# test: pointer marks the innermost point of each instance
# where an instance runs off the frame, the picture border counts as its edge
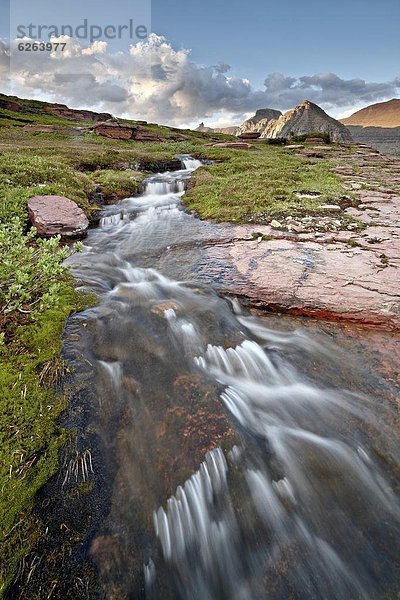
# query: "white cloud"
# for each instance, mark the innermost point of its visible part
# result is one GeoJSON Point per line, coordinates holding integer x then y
{"type": "Point", "coordinates": [153, 81]}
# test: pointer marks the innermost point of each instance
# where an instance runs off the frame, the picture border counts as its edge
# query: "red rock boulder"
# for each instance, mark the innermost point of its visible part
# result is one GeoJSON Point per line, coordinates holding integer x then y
{"type": "Point", "coordinates": [57, 215]}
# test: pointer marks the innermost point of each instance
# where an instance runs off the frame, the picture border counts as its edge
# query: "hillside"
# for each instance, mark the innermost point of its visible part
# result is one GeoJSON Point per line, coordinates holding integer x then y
{"type": "Point", "coordinates": [382, 114]}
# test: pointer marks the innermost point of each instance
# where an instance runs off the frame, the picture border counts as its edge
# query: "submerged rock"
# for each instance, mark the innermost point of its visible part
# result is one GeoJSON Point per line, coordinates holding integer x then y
{"type": "Point", "coordinates": [57, 215]}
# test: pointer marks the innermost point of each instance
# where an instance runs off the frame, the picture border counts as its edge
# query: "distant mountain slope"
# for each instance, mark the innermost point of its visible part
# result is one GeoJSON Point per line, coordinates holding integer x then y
{"type": "Point", "coordinates": [228, 130]}
{"type": "Point", "coordinates": [306, 118]}
{"type": "Point", "coordinates": [382, 114]}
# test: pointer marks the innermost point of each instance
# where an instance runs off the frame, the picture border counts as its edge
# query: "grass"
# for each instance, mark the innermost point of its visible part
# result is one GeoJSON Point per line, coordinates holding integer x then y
{"type": "Point", "coordinates": [115, 185]}
{"type": "Point", "coordinates": [261, 184]}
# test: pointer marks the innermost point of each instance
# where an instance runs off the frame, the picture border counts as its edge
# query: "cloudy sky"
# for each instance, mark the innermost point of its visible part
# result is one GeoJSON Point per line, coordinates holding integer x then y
{"type": "Point", "coordinates": [208, 61]}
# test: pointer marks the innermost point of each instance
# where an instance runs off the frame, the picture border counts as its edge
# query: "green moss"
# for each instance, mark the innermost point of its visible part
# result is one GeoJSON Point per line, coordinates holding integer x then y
{"type": "Point", "coordinates": [118, 184]}
{"type": "Point", "coordinates": [261, 183]}
{"type": "Point", "coordinates": [29, 437]}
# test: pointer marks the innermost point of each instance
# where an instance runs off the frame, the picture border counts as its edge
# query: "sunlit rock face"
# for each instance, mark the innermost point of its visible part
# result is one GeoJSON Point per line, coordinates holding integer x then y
{"type": "Point", "coordinates": [305, 118]}
{"type": "Point", "coordinates": [259, 121]}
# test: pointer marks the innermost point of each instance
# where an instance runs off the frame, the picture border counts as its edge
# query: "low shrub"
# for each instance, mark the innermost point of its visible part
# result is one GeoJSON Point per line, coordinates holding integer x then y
{"type": "Point", "coordinates": [326, 137]}
{"type": "Point", "coordinates": [30, 274]}
{"type": "Point", "coordinates": [281, 141]}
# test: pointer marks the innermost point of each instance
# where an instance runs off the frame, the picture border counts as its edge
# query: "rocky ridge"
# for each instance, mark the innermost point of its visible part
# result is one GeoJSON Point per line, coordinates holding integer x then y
{"type": "Point", "coordinates": [259, 120]}
{"type": "Point", "coordinates": [304, 119]}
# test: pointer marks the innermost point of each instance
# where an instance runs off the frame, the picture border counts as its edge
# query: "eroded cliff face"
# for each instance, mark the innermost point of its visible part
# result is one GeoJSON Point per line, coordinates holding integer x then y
{"type": "Point", "coordinates": [306, 118]}
{"type": "Point", "coordinates": [259, 120]}
{"type": "Point", "coordinates": [303, 119]}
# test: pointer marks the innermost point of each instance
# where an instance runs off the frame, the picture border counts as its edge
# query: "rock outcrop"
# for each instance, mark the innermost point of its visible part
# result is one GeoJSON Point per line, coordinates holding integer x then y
{"type": "Point", "coordinates": [57, 215]}
{"type": "Point", "coordinates": [382, 114]}
{"type": "Point", "coordinates": [115, 131]}
{"type": "Point", "coordinates": [10, 105]}
{"type": "Point", "coordinates": [203, 129]}
{"type": "Point", "coordinates": [121, 131]}
{"type": "Point", "coordinates": [256, 123]}
{"type": "Point", "coordinates": [61, 110]}
{"type": "Point", "coordinates": [306, 118]}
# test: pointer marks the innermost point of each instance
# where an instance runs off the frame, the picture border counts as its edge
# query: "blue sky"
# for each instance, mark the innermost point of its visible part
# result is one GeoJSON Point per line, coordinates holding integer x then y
{"type": "Point", "coordinates": [340, 54]}
{"type": "Point", "coordinates": [353, 38]}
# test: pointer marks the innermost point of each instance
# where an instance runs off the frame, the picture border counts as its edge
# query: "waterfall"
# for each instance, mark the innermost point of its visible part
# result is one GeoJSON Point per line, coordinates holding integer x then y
{"type": "Point", "coordinates": [191, 164]}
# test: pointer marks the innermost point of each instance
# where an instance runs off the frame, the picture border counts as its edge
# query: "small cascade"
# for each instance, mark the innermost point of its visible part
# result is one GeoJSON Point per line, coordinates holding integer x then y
{"type": "Point", "coordinates": [112, 220]}
{"type": "Point", "coordinates": [191, 164]}
{"type": "Point", "coordinates": [199, 522]}
{"type": "Point", "coordinates": [285, 470]}
{"type": "Point", "coordinates": [156, 186]}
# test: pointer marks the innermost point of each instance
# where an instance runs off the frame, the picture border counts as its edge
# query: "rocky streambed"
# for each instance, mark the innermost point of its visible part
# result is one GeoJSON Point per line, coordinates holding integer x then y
{"type": "Point", "coordinates": [220, 452]}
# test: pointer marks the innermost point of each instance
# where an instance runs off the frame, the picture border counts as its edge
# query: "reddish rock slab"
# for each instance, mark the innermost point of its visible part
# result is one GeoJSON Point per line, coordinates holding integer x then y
{"type": "Point", "coordinates": [318, 279]}
{"type": "Point", "coordinates": [57, 215]}
{"type": "Point", "coordinates": [121, 131]}
{"type": "Point", "coordinates": [72, 114]}
{"type": "Point", "coordinates": [115, 131]}
{"type": "Point", "coordinates": [342, 275]}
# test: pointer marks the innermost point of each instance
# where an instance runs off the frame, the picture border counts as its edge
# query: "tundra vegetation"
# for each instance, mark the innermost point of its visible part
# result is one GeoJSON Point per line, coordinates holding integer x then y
{"type": "Point", "coordinates": [37, 294]}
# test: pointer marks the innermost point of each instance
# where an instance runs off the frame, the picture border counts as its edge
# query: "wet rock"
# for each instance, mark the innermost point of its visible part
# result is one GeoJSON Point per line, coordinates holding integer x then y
{"type": "Point", "coordinates": [57, 215]}
{"type": "Point", "coordinates": [159, 309]}
{"type": "Point", "coordinates": [326, 280]}
{"type": "Point", "coordinates": [159, 166]}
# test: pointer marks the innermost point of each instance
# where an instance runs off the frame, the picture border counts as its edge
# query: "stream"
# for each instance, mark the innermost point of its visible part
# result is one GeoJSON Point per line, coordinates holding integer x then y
{"type": "Point", "coordinates": [222, 454]}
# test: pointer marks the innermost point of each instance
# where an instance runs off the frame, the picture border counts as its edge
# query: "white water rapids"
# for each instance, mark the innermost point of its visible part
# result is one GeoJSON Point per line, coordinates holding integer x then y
{"type": "Point", "coordinates": [304, 504]}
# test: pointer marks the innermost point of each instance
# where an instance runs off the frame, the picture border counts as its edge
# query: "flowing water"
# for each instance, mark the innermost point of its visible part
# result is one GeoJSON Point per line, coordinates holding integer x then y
{"type": "Point", "coordinates": [233, 459]}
